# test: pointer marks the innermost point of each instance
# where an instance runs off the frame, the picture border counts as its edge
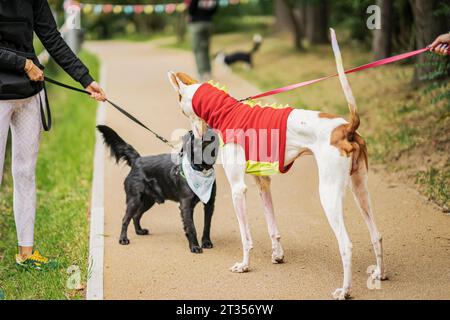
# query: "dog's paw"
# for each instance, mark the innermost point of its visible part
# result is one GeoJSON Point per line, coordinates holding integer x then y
{"type": "Point", "coordinates": [341, 294]}
{"type": "Point", "coordinates": [376, 274]}
{"type": "Point", "coordinates": [277, 259]}
{"type": "Point", "coordinates": [207, 244]}
{"type": "Point", "coordinates": [124, 241]}
{"type": "Point", "coordinates": [239, 267]}
{"type": "Point", "coordinates": [142, 232]}
{"type": "Point", "coordinates": [277, 255]}
{"type": "Point", "coordinates": [196, 249]}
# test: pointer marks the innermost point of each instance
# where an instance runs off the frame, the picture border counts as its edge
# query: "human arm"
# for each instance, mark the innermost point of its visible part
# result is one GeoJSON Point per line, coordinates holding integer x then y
{"type": "Point", "coordinates": [11, 61]}
{"type": "Point", "coordinates": [46, 29]}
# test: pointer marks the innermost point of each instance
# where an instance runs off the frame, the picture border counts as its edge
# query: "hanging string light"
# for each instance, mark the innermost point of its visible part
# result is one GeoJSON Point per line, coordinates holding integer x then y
{"type": "Point", "coordinates": [167, 8]}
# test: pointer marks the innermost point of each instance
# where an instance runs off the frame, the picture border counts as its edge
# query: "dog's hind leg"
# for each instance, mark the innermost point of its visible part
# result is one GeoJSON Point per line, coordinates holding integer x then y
{"type": "Point", "coordinates": [263, 183]}
{"type": "Point", "coordinates": [132, 207]}
{"type": "Point", "coordinates": [362, 198]}
{"type": "Point", "coordinates": [333, 178]}
{"type": "Point", "coordinates": [208, 210]}
{"type": "Point", "coordinates": [233, 159]}
{"type": "Point", "coordinates": [137, 217]}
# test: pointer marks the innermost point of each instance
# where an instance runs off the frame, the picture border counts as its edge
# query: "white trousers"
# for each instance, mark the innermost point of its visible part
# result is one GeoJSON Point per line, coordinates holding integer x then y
{"type": "Point", "coordinates": [24, 119]}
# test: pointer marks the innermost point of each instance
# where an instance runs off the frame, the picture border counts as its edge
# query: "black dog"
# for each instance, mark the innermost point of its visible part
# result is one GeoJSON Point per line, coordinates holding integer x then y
{"type": "Point", "coordinates": [229, 59]}
{"type": "Point", "coordinates": [157, 178]}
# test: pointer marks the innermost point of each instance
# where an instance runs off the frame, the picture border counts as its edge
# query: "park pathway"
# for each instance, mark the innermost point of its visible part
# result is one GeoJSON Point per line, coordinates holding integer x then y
{"type": "Point", "coordinates": [416, 235]}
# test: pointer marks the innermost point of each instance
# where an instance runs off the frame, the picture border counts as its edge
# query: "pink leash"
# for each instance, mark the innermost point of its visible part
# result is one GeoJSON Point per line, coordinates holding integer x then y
{"type": "Point", "coordinates": [360, 68]}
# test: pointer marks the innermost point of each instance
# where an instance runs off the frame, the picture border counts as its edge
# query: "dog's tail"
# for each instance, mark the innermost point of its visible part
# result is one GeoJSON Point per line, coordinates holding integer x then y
{"type": "Point", "coordinates": [358, 146]}
{"type": "Point", "coordinates": [257, 41]}
{"type": "Point", "coordinates": [118, 147]}
{"type": "Point", "coordinates": [354, 117]}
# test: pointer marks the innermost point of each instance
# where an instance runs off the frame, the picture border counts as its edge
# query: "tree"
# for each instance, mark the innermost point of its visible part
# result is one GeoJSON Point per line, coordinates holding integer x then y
{"type": "Point", "coordinates": [382, 38]}
{"type": "Point", "coordinates": [283, 21]}
{"type": "Point", "coordinates": [304, 19]}
{"type": "Point", "coordinates": [427, 26]}
{"type": "Point", "coordinates": [317, 21]}
{"type": "Point", "coordinates": [290, 16]}
{"type": "Point", "coordinates": [297, 15]}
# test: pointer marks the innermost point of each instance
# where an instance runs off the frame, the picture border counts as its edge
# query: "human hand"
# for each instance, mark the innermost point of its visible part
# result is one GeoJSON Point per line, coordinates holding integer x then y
{"type": "Point", "coordinates": [441, 45]}
{"type": "Point", "coordinates": [33, 72]}
{"type": "Point", "coordinates": [96, 91]}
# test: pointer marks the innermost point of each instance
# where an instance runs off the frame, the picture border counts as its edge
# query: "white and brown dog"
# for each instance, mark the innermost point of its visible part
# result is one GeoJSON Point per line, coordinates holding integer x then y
{"type": "Point", "coordinates": [339, 150]}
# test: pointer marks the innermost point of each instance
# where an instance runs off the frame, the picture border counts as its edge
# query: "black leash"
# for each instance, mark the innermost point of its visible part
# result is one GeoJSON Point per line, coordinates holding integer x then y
{"type": "Point", "coordinates": [124, 112]}
{"type": "Point", "coordinates": [46, 116]}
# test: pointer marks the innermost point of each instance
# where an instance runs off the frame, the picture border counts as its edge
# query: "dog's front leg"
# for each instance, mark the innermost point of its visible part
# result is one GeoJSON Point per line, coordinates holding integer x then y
{"type": "Point", "coordinates": [233, 159]}
{"type": "Point", "coordinates": [263, 184]}
{"type": "Point", "coordinates": [187, 214]}
{"type": "Point", "coordinates": [209, 210]}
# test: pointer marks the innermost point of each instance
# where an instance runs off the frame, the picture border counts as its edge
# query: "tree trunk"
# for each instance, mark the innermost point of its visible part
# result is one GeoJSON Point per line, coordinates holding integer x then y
{"type": "Point", "coordinates": [300, 15]}
{"type": "Point", "coordinates": [291, 17]}
{"type": "Point", "coordinates": [317, 21]}
{"type": "Point", "coordinates": [427, 27]}
{"type": "Point", "coordinates": [181, 27]}
{"type": "Point", "coordinates": [381, 44]}
{"type": "Point", "coordinates": [298, 18]}
{"type": "Point", "coordinates": [283, 21]}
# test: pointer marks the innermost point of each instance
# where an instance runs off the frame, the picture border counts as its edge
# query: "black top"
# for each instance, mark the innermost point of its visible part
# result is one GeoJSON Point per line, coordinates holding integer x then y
{"type": "Point", "coordinates": [202, 10]}
{"type": "Point", "coordinates": [18, 20]}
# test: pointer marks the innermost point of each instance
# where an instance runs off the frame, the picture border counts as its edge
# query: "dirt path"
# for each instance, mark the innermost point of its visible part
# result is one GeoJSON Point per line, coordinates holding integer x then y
{"type": "Point", "coordinates": [159, 266]}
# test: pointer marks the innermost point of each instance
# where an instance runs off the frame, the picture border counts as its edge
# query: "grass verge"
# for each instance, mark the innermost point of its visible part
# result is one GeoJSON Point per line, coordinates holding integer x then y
{"type": "Point", "coordinates": [64, 173]}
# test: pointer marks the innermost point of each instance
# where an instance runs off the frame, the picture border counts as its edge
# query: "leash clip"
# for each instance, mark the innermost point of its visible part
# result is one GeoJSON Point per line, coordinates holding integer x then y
{"type": "Point", "coordinates": [245, 99]}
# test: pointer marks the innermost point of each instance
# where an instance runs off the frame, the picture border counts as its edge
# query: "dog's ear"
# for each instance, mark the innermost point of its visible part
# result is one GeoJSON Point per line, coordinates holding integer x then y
{"type": "Point", "coordinates": [155, 190]}
{"type": "Point", "coordinates": [180, 80]}
{"type": "Point", "coordinates": [185, 79]}
{"type": "Point", "coordinates": [174, 81]}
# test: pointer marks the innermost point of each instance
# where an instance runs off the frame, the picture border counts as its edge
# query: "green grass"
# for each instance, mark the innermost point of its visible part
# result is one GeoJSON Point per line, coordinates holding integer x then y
{"type": "Point", "coordinates": [436, 184]}
{"type": "Point", "coordinates": [249, 23]}
{"type": "Point", "coordinates": [64, 173]}
{"type": "Point", "coordinates": [173, 43]}
{"type": "Point", "coordinates": [140, 37]}
{"type": "Point", "coordinates": [407, 128]}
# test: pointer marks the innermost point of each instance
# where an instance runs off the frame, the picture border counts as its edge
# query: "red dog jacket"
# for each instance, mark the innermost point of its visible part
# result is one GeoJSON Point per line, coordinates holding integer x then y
{"type": "Point", "coordinates": [260, 130]}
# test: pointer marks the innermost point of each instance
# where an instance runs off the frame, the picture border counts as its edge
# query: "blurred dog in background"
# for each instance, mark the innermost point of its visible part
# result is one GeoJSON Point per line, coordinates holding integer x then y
{"type": "Point", "coordinates": [228, 59]}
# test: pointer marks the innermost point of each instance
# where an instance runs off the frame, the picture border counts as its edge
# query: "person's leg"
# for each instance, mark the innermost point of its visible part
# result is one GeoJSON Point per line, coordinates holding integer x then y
{"type": "Point", "coordinates": [5, 119]}
{"type": "Point", "coordinates": [194, 30]}
{"type": "Point", "coordinates": [26, 132]}
{"type": "Point", "coordinates": [205, 55]}
{"type": "Point", "coordinates": [200, 34]}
